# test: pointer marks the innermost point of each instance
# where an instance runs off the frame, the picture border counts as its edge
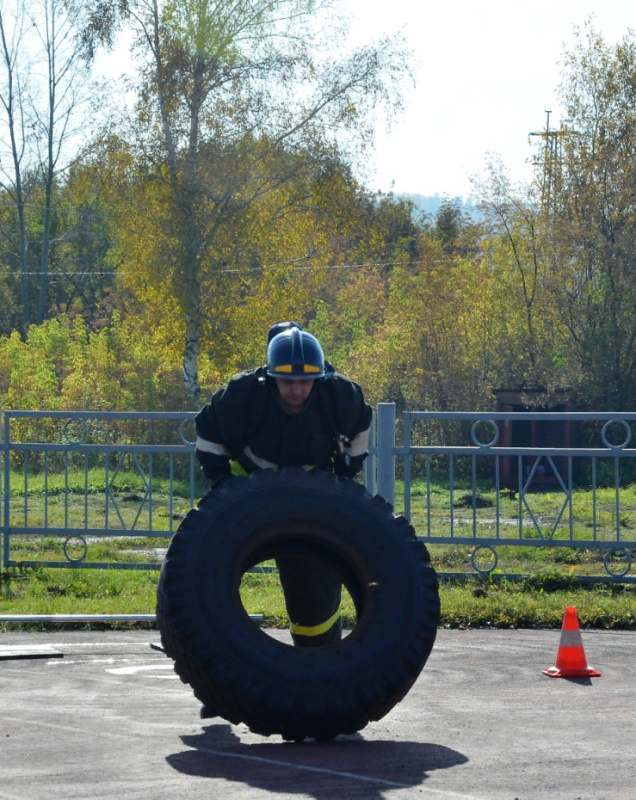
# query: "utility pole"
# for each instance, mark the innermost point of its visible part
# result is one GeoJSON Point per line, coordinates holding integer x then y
{"type": "Point", "coordinates": [551, 161]}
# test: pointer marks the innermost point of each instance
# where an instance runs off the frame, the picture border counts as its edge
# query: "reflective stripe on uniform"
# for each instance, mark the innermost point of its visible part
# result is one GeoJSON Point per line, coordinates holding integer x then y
{"type": "Point", "coordinates": [315, 630]}
{"type": "Point", "coordinates": [359, 444]}
{"type": "Point", "coordinates": [262, 463]}
{"type": "Point", "coordinates": [289, 368]}
{"type": "Point", "coordinates": [206, 446]}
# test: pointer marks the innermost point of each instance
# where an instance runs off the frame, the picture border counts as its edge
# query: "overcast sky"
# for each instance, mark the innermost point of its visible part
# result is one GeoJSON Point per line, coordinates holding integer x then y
{"type": "Point", "coordinates": [486, 73]}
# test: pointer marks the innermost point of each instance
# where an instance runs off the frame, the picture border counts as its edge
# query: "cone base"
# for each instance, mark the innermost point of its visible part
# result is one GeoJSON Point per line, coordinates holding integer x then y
{"type": "Point", "coordinates": [586, 672]}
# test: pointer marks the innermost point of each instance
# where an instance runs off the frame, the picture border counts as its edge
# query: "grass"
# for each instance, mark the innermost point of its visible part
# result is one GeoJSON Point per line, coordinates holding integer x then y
{"type": "Point", "coordinates": [39, 590]}
{"type": "Point", "coordinates": [550, 524]}
{"type": "Point", "coordinates": [537, 601]}
{"type": "Point", "coordinates": [82, 500]}
{"type": "Point", "coordinates": [552, 572]}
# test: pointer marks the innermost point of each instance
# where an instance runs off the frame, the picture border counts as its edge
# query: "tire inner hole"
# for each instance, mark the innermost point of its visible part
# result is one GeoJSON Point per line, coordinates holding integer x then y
{"type": "Point", "coordinates": [302, 583]}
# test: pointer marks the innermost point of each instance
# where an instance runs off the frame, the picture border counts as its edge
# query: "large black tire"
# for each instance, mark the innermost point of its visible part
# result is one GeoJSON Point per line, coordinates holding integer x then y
{"type": "Point", "coordinates": [247, 676]}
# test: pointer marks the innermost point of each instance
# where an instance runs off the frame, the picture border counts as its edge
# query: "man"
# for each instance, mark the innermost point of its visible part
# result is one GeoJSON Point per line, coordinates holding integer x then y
{"type": "Point", "coordinates": [295, 411]}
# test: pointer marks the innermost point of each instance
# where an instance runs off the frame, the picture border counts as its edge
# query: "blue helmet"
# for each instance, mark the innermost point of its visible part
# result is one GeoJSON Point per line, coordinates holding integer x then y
{"type": "Point", "coordinates": [280, 327]}
{"type": "Point", "coordinates": [295, 354]}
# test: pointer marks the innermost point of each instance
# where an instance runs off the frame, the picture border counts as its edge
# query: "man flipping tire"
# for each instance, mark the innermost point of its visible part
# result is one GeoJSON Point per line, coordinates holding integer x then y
{"type": "Point", "coordinates": [297, 411]}
{"type": "Point", "coordinates": [299, 432]}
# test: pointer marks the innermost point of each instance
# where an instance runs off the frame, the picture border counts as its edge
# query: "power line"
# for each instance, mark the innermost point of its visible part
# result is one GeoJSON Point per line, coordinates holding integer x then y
{"type": "Point", "coordinates": [327, 266]}
{"type": "Point", "coordinates": [62, 274]}
{"type": "Point", "coordinates": [237, 271]}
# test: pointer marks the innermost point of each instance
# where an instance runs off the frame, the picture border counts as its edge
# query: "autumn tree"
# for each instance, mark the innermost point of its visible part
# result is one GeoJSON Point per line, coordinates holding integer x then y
{"type": "Point", "coordinates": [236, 101]}
{"type": "Point", "coordinates": [456, 231]}
{"type": "Point", "coordinates": [593, 224]}
{"type": "Point", "coordinates": [15, 143]}
{"type": "Point", "coordinates": [516, 250]}
{"type": "Point", "coordinates": [377, 233]}
{"type": "Point", "coordinates": [43, 85]}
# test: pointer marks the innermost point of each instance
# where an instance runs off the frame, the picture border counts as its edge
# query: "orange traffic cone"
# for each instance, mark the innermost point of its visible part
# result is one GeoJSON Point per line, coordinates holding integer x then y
{"type": "Point", "coordinates": [571, 661]}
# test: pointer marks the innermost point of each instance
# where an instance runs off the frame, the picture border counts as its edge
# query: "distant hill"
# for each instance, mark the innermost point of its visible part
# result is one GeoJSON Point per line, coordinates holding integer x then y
{"type": "Point", "coordinates": [430, 204]}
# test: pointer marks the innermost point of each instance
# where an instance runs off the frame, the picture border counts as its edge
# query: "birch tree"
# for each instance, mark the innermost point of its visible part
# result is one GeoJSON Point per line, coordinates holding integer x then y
{"type": "Point", "coordinates": [236, 99]}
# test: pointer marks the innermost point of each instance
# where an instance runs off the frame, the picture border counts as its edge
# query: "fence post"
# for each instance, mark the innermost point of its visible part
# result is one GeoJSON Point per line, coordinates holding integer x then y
{"type": "Point", "coordinates": [386, 451]}
{"type": "Point", "coordinates": [6, 491]}
{"type": "Point", "coordinates": [370, 462]}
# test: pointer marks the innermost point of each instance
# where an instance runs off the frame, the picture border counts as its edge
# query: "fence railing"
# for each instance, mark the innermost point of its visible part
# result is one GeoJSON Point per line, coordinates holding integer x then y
{"type": "Point", "coordinates": [74, 484]}
{"type": "Point", "coordinates": [70, 479]}
{"type": "Point", "coordinates": [576, 490]}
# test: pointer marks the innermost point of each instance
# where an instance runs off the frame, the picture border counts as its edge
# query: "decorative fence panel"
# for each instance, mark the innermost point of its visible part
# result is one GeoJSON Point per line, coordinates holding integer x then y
{"type": "Point", "coordinates": [466, 482]}
{"type": "Point", "coordinates": [72, 481]}
{"type": "Point", "coordinates": [107, 490]}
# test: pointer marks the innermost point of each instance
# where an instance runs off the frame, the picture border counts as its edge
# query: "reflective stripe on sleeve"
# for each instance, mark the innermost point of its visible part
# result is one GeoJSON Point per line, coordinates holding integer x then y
{"type": "Point", "coordinates": [315, 630]}
{"type": "Point", "coordinates": [261, 463]}
{"type": "Point", "coordinates": [211, 447]}
{"type": "Point", "coordinates": [359, 444]}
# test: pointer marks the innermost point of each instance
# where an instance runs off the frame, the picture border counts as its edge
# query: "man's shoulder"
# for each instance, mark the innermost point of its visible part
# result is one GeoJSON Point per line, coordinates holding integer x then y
{"type": "Point", "coordinates": [246, 378]}
{"type": "Point", "coordinates": [351, 412]}
{"type": "Point", "coordinates": [341, 385]}
{"type": "Point", "coordinates": [239, 389]}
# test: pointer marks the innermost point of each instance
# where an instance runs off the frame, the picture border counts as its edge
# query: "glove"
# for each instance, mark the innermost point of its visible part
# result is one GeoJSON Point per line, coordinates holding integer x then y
{"type": "Point", "coordinates": [348, 466]}
{"type": "Point", "coordinates": [213, 466]}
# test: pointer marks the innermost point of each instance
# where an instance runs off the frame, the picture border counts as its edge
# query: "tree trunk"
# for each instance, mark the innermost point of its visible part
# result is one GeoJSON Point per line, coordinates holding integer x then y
{"type": "Point", "coordinates": [24, 244]}
{"type": "Point", "coordinates": [44, 277]}
{"type": "Point", "coordinates": [192, 345]}
{"type": "Point", "coordinates": [48, 168]}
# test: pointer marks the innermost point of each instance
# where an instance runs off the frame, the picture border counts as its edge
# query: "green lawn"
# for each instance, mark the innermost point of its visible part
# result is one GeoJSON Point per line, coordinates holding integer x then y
{"type": "Point", "coordinates": [552, 572]}
{"type": "Point", "coordinates": [537, 601]}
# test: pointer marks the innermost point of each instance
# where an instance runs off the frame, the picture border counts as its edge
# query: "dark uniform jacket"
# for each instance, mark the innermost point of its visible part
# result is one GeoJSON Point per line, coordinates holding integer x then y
{"type": "Point", "coordinates": [245, 421]}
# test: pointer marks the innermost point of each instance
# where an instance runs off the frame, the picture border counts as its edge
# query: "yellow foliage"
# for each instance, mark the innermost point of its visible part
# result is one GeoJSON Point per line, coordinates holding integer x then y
{"type": "Point", "coordinates": [62, 366]}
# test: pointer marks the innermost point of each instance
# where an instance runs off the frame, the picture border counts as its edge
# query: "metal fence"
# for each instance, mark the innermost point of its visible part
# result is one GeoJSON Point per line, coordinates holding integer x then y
{"type": "Point", "coordinates": [497, 492]}
{"type": "Point", "coordinates": [72, 482]}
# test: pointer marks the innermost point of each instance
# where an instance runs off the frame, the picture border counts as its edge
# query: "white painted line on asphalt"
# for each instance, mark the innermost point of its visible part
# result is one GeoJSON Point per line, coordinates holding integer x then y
{"type": "Point", "coordinates": [258, 759]}
{"type": "Point", "coordinates": [13, 651]}
{"type": "Point", "coordinates": [52, 726]}
{"type": "Point", "coordinates": [336, 773]}
{"type": "Point", "coordinates": [85, 661]}
{"type": "Point", "coordinates": [157, 729]}
{"type": "Point", "coordinates": [142, 668]}
{"type": "Point", "coordinates": [277, 763]}
{"type": "Point", "coordinates": [102, 644]}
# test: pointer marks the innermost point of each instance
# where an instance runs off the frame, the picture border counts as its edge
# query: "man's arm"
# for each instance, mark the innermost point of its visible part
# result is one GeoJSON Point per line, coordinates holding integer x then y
{"type": "Point", "coordinates": [354, 415]}
{"type": "Point", "coordinates": [210, 450]}
{"type": "Point", "coordinates": [348, 462]}
{"type": "Point", "coordinates": [220, 425]}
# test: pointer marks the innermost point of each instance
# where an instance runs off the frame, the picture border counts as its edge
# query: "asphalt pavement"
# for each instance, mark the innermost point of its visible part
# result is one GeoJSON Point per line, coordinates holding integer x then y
{"type": "Point", "coordinates": [103, 716]}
